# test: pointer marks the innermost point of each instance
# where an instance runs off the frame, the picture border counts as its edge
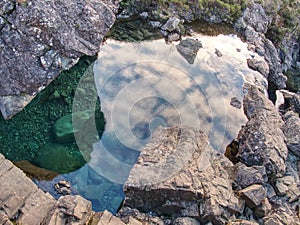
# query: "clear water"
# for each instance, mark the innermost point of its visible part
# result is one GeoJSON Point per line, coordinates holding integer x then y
{"type": "Point", "coordinates": [140, 86]}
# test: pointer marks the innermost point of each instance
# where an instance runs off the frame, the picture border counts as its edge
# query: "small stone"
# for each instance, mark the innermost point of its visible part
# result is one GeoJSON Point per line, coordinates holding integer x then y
{"type": "Point", "coordinates": [186, 221]}
{"type": "Point", "coordinates": [263, 209]}
{"type": "Point", "coordinates": [234, 101]}
{"type": "Point", "coordinates": [218, 53]}
{"type": "Point", "coordinates": [259, 65]}
{"type": "Point", "coordinates": [253, 195]}
{"type": "Point", "coordinates": [144, 15]}
{"type": "Point", "coordinates": [189, 48]}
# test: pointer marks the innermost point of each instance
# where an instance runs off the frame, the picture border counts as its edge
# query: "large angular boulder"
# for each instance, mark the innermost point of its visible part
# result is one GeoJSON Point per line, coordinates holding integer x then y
{"type": "Point", "coordinates": [185, 175]}
{"type": "Point", "coordinates": [39, 39]}
{"type": "Point", "coordinates": [261, 140]}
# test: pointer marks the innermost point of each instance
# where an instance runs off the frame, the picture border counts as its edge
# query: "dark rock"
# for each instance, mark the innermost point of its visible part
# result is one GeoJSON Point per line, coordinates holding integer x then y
{"type": "Point", "coordinates": [189, 48]}
{"type": "Point", "coordinates": [259, 65]}
{"type": "Point", "coordinates": [253, 195]}
{"type": "Point", "coordinates": [246, 176]}
{"type": "Point", "coordinates": [186, 221]}
{"type": "Point", "coordinates": [42, 38]}
{"type": "Point", "coordinates": [261, 140]}
{"type": "Point", "coordinates": [218, 53]}
{"type": "Point", "coordinates": [291, 130]}
{"type": "Point", "coordinates": [234, 101]}
{"type": "Point", "coordinates": [291, 100]}
{"type": "Point", "coordinates": [186, 177]}
{"type": "Point", "coordinates": [263, 209]}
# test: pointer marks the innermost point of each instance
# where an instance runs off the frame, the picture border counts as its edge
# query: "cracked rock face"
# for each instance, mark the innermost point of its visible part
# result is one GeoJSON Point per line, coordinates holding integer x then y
{"type": "Point", "coordinates": [199, 186]}
{"type": "Point", "coordinates": [39, 39]}
{"type": "Point", "coordinates": [261, 140]}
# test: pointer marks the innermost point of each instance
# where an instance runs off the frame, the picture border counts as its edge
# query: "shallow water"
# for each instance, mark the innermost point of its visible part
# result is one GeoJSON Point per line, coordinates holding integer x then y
{"type": "Point", "coordinates": [140, 86]}
{"type": "Point", "coordinates": [145, 85]}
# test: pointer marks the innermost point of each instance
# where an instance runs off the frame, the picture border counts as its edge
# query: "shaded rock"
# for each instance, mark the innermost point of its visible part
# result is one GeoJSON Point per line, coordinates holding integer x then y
{"type": "Point", "coordinates": [261, 140]}
{"type": "Point", "coordinates": [172, 24]}
{"type": "Point", "coordinates": [291, 101]}
{"type": "Point", "coordinates": [253, 195]}
{"type": "Point", "coordinates": [63, 187]}
{"type": "Point", "coordinates": [127, 215]}
{"type": "Point", "coordinates": [287, 185]}
{"type": "Point", "coordinates": [246, 176]}
{"type": "Point", "coordinates": [258, 65]}
{"type": "Point", "coordinates": [70, 210]}
{"type": "Point", "coordinates": [42, 38]}
{"type": "Point", "coordinates": [291, 130]}
{"type": "Point", "coordinates": [282, 215]}
{"type": "Point", "coordinates": [263, 209]}
{"type": "Point", "coordinates": [234, 101]}
{"type": "Point", "coordinates": [36, 172]}
{"type": "Point", "coordinates": [186, 177]}
{"type": "Point", "coordinates": [58, 158]}
{"type": "Point", "coordinates": [189, 48]}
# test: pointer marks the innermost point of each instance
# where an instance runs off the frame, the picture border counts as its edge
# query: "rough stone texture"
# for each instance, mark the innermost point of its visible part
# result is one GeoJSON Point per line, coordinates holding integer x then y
{"type": "Point", "coordinates": [291, 101]}
{"type": "Point", "coordinates": [261, 140]}
{"type": "Point", "coordinates": [20, 198]}
{"type": "Point", "coordinates": [259, 65]}
{"type": "Point", "coordinates": [287, 185]}
{"type": "Point", "coordinates": [186, 177]}
{"type": "Point", "coordinates": [245, 176]}
{"type": "Point", "coordinates": [253, 24]}
{"type": "Point", "coordinates": [253, 195]}
{"type": "Point", "coordinates": [42, 38]}
{"type": "Point", "coordinates": [291, 130]}
{"type": "Point", "coordinates": [106, 218]}
{"type": "Point", "coordinates": [189, 48]}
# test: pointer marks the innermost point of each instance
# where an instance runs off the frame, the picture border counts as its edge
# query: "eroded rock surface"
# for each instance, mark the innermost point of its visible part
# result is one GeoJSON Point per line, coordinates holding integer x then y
{"type": "Point", "coordinates": [39, 39]}
{"type": "Point", "coordinates": [186, 177]}
{"type": "Point", "coordinates": [261, 140]}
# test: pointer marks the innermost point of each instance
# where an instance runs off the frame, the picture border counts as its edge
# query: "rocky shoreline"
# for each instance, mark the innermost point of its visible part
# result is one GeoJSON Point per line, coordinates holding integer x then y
{"type": "Point", "coordinates": [256, 181]}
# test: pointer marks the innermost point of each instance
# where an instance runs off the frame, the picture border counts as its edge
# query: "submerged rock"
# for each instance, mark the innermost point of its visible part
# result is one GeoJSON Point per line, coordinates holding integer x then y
{"type": "Point", "coordinates": [186, 177]}
{"type": "Point", "coordinates": [41, 38]}
{"type": "Point", "coordinates": [59, 158]}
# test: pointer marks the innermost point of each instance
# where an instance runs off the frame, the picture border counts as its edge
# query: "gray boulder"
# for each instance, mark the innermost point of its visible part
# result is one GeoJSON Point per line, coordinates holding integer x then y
{"type": "Point", "coordinates": [291, 130]}
{"type": "Point", "coordinates": [261, 140]}
{"type": "Point", "coordinates": [189, 48]}
{"type": "Point", "coordinates": [40, 38]}
{"type": "Point", "coordinates": [187, 178]}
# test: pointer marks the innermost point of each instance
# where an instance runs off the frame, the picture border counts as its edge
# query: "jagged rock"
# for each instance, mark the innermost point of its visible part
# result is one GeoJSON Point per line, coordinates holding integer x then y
{"type": "Point", "coordinates": [186, 221]}
{"type": "Point", "coordinates": [261, 140]}
{"type": "Point", "coordinates": [253, 195]}
{"type": "Point", "coordinates": [186, 177]}
{"type": "Point", "coordinates": [234, 101]}
{"type": "Point", "coordinates": [263, 209]}
{"type": "Point", "coordinates": [20, 198]}
{"type": "Point", "coordinates": [287, 185]}
{"type": "Point", "coordinates": [172, 24]}
{"type": "Point", "coordinates": [245, 176]}
{"type": "Point", "coordinates": [291, 100]}
{"type": "Point", "coordinates": [70, 210]}
{"type": "Point", "coordinates": [291, 130]}
{"type": "Point", "coordinates": [258, 65]}
{"type": "Point", "coordinates": [189, 48]}
{"type": "Point", "coordinates": [106, 218]}
{"type": "Point", "coordinates": [42, 38]}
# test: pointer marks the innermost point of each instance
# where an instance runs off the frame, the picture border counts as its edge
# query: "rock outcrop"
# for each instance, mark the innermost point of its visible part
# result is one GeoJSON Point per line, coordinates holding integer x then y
{"type": "Point", "coordinates": [186, 177]}
{"type": "Point", "coordinates": [39, 39]}
{"type": "Point", "coordinates": [261, 140]}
